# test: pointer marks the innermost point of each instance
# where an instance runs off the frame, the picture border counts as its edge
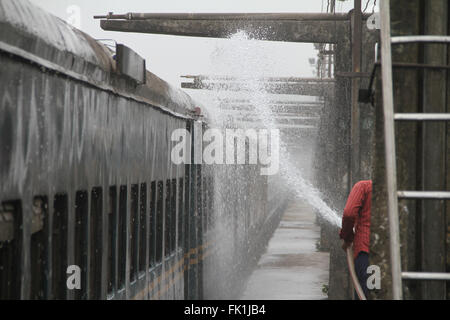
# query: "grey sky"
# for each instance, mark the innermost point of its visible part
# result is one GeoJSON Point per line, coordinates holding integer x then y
{"type": "Point", "coordinates": [172, 56]}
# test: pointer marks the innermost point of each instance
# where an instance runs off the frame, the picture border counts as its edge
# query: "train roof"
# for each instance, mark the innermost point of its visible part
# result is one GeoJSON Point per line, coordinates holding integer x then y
{"type": "Point", "coordinates": [34, 34]}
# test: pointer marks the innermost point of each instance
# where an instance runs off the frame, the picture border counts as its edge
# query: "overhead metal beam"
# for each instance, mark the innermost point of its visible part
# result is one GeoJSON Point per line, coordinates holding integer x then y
{"type": "Point", "coordinates": [291, 27]}
{"type": "Point", "coordinates": [277, 122]}
{"type": "Point", "coordinates": [226, 16]}
{"type": "Point", "coordinates": [286, 108]}
{"type": "Point", "coordinates": [259, 79]}
{"type": "Point", "coordinates": [288, 111]}
{"type": "Point", "coordinates": [355, 113]}
{"type": "Point", "coordinates": [280, 115]}
{"type": "Point", "coordinates": [282, 118]}
{"type": "Point", "coordinates": [249, 105]}
{"type": "Point", "coordinates": [309, 87]}
{"type": "Point", "coordinates": [257, 125]}
{"type": "Point", "coordinates": [295, 89]}
{"type": "Point", "coordinates": [277, 101]}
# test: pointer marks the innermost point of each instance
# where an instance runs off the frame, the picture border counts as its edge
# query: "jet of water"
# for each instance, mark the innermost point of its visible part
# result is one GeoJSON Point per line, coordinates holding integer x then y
{"type": "Point", "coordinates": [249, 59]}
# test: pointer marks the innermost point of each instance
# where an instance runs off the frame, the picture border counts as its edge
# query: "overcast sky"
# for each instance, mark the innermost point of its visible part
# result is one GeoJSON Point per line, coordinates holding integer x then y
{"type": "Point", "coordinates": [169, 57]}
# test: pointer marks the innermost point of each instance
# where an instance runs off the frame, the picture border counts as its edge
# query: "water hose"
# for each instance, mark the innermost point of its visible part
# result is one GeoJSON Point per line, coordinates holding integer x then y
{"type": "Point", "coordinates": [351, 268]}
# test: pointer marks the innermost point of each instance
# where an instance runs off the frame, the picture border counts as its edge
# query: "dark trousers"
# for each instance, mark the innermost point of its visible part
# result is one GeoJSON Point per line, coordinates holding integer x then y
{"type": "Point", "coordinates": [361, 265]}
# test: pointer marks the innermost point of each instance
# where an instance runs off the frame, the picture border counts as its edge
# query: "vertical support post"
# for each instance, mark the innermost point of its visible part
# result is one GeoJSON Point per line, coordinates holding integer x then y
{"type": "Point", "coordinates": [366, 111]}
{"type": "Point", "coordinates": [356, 67]}
{"type": "Point", "coordinates": [433, 220]}
{"type": "Point", "coordinates": [331, 46]}
{"type": "Point", "coordinates": [339, 133]}
{"type": "Point", "coordinates": [389, 135]}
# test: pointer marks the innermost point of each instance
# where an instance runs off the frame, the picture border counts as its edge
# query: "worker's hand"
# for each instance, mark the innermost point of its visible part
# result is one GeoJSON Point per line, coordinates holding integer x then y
{"type": "Point", "coordinates": [346, 245]}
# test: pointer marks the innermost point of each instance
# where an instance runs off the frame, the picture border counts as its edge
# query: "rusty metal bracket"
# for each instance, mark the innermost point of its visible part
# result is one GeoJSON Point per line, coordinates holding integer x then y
{"type": "Point", "coordinates": [366, 95]}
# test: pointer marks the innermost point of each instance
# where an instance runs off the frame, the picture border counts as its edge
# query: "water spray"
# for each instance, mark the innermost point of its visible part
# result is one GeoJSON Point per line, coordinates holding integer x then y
{"type": "Point", "coordinates": [240, 60]}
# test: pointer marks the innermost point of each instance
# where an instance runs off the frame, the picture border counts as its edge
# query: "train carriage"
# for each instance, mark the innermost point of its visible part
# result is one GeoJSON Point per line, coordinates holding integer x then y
{"type": "Point", "coordinates": [86, 178]}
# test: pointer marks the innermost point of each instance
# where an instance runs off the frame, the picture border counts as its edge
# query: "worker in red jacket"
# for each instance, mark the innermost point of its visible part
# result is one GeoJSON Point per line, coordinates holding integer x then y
{"type": "Point", "coordinates": [357, 216]}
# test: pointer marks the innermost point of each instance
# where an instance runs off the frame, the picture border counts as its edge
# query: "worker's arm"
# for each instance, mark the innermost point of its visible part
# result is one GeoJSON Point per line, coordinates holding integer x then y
{"type": "Point", "coordinates": [352, 207]}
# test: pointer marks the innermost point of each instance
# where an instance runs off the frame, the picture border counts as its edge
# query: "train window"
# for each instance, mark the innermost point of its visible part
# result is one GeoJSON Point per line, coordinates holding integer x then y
{"type": "Point", "coordinates": [10, 220]}
{"type": "Point", "coordinates": [95, 240]}
{"type": "Point", "coordinates": [180, 215]}
{"type": "Point", "coordinates": [173, 211]}
{"type": "Point", "coordinates": [122, 235]}
{"type": "Point", "coordinates": [134, 229]}
{"type": "Point", "coordinates": [159, 221]}
{"type": "Point", "coordinates": [112, 223]}
{"type": "Point", "coordinates": [186, 225]}
{"type": "Point", "coordinates": [142, 227]}
{"type": "Point", "coordinates": [167, 216]}
{"type": "Point", "coordinates": [152, 226]}
{"type": "Point", "coordinates": [38, 245]}
{"type": "Point", "coordinates": [81, 239]}
{"type": "Point", "coordinates": [204, 202]}
{"type": "Point", "coordinates": [199, 195]}
{"type": "Point", "coordinates": [187, 208]}
{"type": "Point", "coordinates": [210, 201]}
{"type": "Point", "coordinates": [59, 246]}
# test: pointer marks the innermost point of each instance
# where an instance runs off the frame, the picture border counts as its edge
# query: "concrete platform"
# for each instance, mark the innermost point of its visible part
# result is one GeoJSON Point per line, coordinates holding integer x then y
{"type": "Point", "coordinates": [292, 268]}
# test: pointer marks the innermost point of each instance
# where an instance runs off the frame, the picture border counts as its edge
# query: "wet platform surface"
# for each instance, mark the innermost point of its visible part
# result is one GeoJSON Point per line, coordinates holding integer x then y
{"type": "Point", "coordinates": [292, 268]}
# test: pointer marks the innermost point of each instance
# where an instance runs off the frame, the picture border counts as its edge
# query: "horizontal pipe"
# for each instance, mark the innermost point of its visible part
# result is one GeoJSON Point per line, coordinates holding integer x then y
{"type": "Point", "coordinates": [274, 102]}
{"type": "Point", "coordinates": [283, 107]}
{"type": "Point", "coordinates": [256, 125]}
{"type": "Point", "coordinates": [279, 120]}
{"type": "Point", "coordinates": [424, 194]}
{"type": "Point", "coordinates": [278, 110]}
{"type": "Point", "coordinates": [313, 89]}
{"type": "Point", "coordinates": [422, 116]}
{"type": "Point", "coordinates": [283, 116]}
{"type": "Point", "coordinates": [228, 16]}
{"type": "Point", "coordinates": [426, 276]}
{"type": "Point", "coordinates": [415, 39]}
{"type": "Point", "coordinates": [263, 79]}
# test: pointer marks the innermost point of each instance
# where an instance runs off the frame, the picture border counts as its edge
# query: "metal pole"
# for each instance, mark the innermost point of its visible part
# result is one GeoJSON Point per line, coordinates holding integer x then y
{"type": "Point", "coordinates": [442, 195]}
{"type": "Point", "coordinates": [426, 276]}
{"type": "Point", "coordinates": [389, 133]}
{"type": "Point", "coordinates": [226, 16]}
{"type": "Point", "coordinates": [356, 61]}
{"type": "Point", "coordinates": [330, 45]}
{"type": "Point", "coordinates": [420, 38]}
{"type": "Point", "coordinates": [354, 117]}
